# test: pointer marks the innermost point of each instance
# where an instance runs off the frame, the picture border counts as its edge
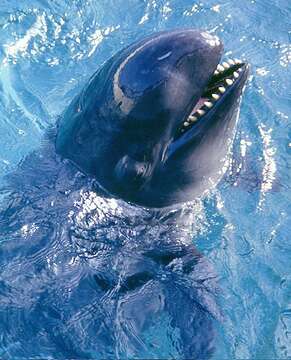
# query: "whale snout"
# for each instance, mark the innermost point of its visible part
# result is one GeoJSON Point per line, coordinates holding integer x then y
{"type": "Point", "coordinates": [164, 71]}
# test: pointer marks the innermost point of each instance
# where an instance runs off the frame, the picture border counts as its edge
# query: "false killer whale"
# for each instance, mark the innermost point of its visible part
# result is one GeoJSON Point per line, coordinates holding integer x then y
{"type": "Point", "coordinates": [100, 243]}
{"type": "Point", "coordinates": [155, 123]}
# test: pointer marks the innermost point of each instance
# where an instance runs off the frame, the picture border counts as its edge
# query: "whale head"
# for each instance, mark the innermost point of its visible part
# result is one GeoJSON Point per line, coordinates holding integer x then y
{"type": "Point", "coordinates": [155, 123]}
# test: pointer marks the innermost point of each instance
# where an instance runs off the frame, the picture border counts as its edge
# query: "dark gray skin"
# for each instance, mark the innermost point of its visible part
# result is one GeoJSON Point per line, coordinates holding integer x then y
{"type": "Point", "coordinates": [122, 128]}
{"type": "Point", "coordinates": [120, 268]}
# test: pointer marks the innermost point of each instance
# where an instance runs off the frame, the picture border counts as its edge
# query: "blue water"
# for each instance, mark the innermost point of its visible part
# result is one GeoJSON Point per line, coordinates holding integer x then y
{"type": "Point", "coordinates": [48, 50]}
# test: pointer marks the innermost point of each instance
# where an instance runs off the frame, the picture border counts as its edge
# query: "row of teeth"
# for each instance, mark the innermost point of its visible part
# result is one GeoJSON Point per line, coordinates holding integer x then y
{"type": "Point", "coordinates": [226, 65]}
{"type": "Point", "coordinates": [221, 89]}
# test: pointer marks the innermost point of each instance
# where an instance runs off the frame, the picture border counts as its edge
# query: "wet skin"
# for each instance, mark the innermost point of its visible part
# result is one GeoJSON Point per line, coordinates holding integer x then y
{"type": "Point", "coordinates": [126, 127]}
{"type": "Point", "coordinates": [154, 126]}
{"type": "Point", "coordinates": [141, 129]}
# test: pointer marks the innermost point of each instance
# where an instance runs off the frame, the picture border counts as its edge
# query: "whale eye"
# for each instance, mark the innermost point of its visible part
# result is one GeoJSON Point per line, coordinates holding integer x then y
{"type": "Point", "coordinates": [131, 172]}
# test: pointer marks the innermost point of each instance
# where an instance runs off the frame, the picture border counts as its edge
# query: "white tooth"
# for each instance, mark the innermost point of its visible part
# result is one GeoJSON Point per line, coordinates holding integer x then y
{"type": "Point", "coordinates": [192, 118]}
{"type": "Point", "coordinates": [215, 96]}
{"type": "Point", "coordinates": [186, 123]}
{"type": "Point", "coordinates": [201, 112]}
{"type": "Point", "coordinates": [236, 74]}
{"type": "Point", "coordinates": [216, 72]}
{"type": "Point", "coordinates": [229, 82]}
{"type": "Point", "coordinates": [208, 104]}
{"type": "Point", "coordinates": [220, 68]}
{"type": "Point", "coordinates": [221, 89]}
{"type": "Point", "coordinates": [226, 65]}
{"type": "Point", "coordinates": [237, 61]}
{"type": "Point", "coordinates": [231, 62]}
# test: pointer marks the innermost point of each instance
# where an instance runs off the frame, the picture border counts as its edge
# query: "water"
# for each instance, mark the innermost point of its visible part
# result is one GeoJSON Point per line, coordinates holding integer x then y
{"type": "Point", "coordinates": [47, 300]}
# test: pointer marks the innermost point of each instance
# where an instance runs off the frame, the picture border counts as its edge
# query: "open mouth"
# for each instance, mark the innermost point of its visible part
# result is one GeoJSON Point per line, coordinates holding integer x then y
{"type": "Point", "coordinates": [224, 78]}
